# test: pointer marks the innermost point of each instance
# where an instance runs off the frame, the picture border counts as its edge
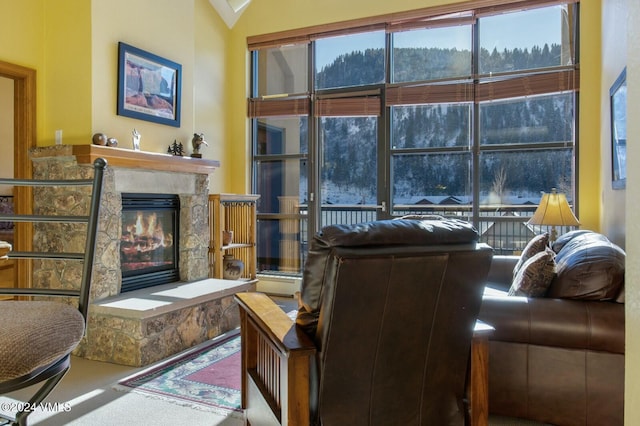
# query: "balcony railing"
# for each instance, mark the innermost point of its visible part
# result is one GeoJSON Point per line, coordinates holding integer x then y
{"type": "Point", "coordinates": [503, 227]}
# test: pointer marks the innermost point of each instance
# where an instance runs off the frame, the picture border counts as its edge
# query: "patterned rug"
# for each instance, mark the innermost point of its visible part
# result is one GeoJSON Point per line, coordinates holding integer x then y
{"type": "Point", "coordinates": [206, 378]}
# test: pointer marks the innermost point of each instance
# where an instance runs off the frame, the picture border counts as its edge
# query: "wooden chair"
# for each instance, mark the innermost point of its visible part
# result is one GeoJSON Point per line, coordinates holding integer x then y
{"type": "Point", "coordinates": [383, 332]}
{"type": "Point", "coordinates": [37, 336]}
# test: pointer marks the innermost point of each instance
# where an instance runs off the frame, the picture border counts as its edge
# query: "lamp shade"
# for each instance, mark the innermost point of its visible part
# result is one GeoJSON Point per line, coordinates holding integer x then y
{"type": "Point", "coordinates": [554, 210]}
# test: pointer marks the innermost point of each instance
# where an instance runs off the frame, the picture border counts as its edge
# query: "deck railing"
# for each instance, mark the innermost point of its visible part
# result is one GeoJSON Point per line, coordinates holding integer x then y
{"type": "Point", "coordinates": [503, 227]}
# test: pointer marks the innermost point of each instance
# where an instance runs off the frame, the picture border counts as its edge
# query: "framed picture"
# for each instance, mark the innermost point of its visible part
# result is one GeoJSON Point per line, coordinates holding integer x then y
{"type": "Point", "coordinates": [148, 86]}
{"type": "Point", "coordinates": [618, 94]}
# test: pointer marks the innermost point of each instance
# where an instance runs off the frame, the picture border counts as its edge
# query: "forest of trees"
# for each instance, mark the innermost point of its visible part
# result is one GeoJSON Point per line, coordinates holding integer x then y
{"type": "Point", "coordinates": [349, 153]}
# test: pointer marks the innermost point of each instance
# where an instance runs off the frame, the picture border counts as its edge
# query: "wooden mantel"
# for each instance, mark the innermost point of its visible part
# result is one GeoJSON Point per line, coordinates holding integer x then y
{"type": "Point", "coordinates": [120, 157]}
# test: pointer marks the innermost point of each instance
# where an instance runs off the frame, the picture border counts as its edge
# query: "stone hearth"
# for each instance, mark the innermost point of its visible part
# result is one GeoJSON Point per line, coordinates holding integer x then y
{"type": "Point", "coordinates": [144, 326]}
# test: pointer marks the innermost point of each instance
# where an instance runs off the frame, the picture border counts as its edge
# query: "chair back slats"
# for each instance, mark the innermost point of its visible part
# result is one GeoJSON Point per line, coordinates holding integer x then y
{"type": "Point", "coordinates": [43, 182]}
{"type": "Point", "coordinates": [40, 292]}
{"type": "Point", "coordinates": [45, 255]}
{"type": "Point", "coordinates": [44, 218]}
{"type": "Point", "coordinates": [91, 220]}
{"type": "Point", "coordinates": [268, 372]}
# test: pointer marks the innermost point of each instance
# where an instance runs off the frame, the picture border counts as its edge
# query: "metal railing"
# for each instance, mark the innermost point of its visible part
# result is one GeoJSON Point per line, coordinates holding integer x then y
{"type": "Point", "coordinates": [503, 227]}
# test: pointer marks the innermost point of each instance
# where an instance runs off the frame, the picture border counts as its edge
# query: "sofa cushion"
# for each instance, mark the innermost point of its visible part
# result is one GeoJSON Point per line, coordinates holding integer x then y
{"type": "Point", "coordinates": [536, 245]}
{"type": "Point", "coordinates": [563, 239]}
{"type": "Point", "coordinates": [535, 275]}
{"type": "Point", "coordinates": [588, 267]}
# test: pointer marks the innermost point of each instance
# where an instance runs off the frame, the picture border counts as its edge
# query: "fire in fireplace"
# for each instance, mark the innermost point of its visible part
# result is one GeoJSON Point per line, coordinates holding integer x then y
{"type": "Point", "coordinates": [149, 240]}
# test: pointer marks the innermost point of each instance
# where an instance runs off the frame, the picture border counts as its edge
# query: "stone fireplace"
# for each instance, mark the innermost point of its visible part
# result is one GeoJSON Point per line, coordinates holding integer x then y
{"type": "Point", "coordinates": [147, 324]}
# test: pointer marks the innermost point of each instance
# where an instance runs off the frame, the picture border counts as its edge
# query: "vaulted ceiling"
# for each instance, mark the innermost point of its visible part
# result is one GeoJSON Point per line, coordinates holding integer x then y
{"type": "Point", "coordinates": [230, 10]}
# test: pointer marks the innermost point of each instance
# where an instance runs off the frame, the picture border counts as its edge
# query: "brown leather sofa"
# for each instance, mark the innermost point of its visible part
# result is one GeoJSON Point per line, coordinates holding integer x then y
{"type": "Point", "coordinates": [559, 358]}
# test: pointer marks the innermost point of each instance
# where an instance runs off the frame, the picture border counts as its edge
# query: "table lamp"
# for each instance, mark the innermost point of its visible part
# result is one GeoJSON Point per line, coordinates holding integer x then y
{"type": "Point", "coordinates": [553, 211]}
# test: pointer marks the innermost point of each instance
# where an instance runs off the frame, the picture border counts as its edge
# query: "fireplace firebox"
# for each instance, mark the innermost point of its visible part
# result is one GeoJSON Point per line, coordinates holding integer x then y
{"type": "Point", "coordinates": [149, 240]}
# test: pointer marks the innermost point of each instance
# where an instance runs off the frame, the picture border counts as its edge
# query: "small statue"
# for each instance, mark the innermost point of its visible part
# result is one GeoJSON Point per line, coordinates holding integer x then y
{"type": "Point", "coordinates": [197, 142]}
{"type": "Point", "coordinates": [136, 140]}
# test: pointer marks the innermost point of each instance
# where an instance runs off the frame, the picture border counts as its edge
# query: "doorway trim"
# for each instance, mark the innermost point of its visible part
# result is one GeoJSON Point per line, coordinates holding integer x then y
{"type": "Point", "coordinates": [24, 131]}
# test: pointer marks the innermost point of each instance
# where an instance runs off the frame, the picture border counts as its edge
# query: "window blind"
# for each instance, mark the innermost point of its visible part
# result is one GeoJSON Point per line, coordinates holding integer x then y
{"type": "Point", "coordinates": [531, 84]}
{"type": "Point", "coordinates": [429, 93]}
{"type": "Point", "coordinates": [348, 107]}
{"type": "Point", "coordinates": [278, 107]}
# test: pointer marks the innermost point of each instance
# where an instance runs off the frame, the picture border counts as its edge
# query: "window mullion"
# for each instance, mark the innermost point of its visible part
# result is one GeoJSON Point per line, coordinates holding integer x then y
{"type": "Point", "coordinates": [475, 128]}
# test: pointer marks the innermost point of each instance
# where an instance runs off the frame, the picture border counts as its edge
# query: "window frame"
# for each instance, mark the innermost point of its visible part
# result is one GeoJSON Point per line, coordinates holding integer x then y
{"type": "Point", "coordinates": [474, 89]}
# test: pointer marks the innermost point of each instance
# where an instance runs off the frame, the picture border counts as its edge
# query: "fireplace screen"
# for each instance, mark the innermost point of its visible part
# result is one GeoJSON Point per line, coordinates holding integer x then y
{"type": "Point", "coordinates": [149, 240]}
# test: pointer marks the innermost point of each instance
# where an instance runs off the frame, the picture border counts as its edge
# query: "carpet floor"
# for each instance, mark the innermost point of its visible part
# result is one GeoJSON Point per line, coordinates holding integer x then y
{"type": "Point", "coordinates": [205, 378]}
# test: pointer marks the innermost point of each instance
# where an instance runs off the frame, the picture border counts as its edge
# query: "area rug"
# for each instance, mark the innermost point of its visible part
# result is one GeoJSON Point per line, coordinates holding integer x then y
{"type": "Point", "coordinates": [206, 378]}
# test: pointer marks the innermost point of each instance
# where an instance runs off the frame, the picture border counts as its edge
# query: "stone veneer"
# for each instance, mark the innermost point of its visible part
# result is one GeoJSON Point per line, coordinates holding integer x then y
{"type": "Point", "coordinates": [139, 334]}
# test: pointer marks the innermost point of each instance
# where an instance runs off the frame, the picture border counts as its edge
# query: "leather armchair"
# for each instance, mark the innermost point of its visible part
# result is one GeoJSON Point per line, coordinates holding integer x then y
{"type": "Point", "coordinates": [383, 332]}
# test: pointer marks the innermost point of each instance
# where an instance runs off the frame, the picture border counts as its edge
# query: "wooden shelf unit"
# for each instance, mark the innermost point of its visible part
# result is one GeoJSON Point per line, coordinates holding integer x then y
{"type": "Point", "coordinates": [237, 213]}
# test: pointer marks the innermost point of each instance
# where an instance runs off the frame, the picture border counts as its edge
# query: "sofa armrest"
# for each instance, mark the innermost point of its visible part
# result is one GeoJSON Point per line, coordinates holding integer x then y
{"type": "Point", "coordinates": [501, 272]}
{"type": "Point", "coordinates": [588, 325]}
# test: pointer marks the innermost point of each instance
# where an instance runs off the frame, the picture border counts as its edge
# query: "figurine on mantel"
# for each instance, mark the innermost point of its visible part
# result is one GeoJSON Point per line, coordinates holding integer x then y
{"type": "Point", "coordinates": [176, 148]}
{"type": "Point", "coordinates": [99, 139]}
{"type": "Point", "coordinates": [197, 142]}
{"type": "Point", "coordinates": [136, 140]}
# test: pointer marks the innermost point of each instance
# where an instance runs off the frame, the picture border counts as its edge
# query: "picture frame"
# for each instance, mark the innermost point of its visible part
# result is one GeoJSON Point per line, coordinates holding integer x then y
{"type": "Point", "coordinates": [149, 87]}
{"type": "Point", "coordinates": [618, 96]}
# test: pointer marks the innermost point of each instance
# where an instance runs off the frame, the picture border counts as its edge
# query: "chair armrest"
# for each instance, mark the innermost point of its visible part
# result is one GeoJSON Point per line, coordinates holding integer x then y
{"type": "Point", "coordinates": [274, 322]}
{"type": "Point", "coordinates": [277, 357]}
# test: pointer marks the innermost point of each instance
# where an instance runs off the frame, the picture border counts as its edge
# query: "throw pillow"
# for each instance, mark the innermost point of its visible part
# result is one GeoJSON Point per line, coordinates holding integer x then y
{"type": "Point", "coordinates": [538, 244]}
{"type": "Point", "coordinates": [589, 267]}
{"type": "Point", "coordinates": [535, 276]}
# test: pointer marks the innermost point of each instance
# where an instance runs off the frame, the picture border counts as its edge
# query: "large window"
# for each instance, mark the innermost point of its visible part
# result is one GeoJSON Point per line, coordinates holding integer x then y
{"type": "Point", "coordinates": [466, 113]}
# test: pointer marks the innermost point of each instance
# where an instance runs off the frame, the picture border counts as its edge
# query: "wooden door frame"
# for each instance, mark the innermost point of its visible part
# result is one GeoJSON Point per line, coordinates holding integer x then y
{"type": "Point", "coordinates": [24, 138]}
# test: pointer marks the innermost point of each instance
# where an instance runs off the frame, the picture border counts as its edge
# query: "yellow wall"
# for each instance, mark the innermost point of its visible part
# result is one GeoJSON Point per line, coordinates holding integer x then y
{"type": "Point", "coordinates": [262, 17]}
{"type": "Point", "coordinates": [66, 92]}
{"type": "Point", "coordinates": [589, 183]}
{"type": "Point", "coordinates": [22, 34]}
{"type": "Point", "coordinates": [54, 39]}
